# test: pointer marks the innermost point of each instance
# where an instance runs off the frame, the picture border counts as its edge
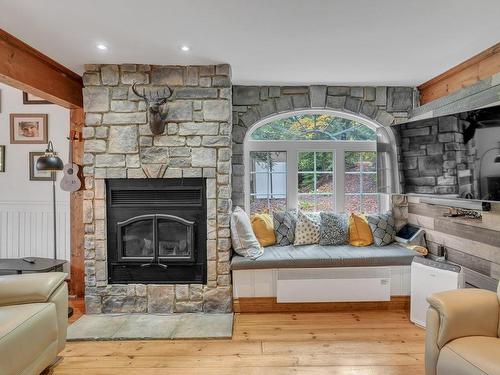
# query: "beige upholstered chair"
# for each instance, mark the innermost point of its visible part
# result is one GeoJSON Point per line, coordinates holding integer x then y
{"type": "Point", "coordinates": [463, 333]}
{"type": "Point", "coordinates": [33, 321]}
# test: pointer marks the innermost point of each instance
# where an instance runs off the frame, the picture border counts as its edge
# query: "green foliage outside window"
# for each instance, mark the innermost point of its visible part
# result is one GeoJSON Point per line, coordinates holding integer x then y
{"type": "Point", "coordinates": [314, 127]}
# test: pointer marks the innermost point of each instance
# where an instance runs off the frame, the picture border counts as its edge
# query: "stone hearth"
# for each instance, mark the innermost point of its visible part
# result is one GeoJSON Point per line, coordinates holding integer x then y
{"type": "Point", "coordinates": [119, 144]}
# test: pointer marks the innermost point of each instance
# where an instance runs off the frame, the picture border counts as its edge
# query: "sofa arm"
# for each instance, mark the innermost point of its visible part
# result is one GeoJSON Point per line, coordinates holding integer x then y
{"type": "Point", "coordinates": [29, 288]}
{"type": "Point", "coordinates": [465, 312]}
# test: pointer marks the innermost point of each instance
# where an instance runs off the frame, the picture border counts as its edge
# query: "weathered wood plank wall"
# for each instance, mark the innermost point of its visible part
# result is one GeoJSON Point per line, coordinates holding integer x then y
{"type": "Point", "coordinates": [474, 244]}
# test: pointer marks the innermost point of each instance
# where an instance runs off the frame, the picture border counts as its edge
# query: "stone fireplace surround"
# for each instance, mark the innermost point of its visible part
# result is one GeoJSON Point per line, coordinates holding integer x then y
{"type": "Point", "coordinates": [119, 144]}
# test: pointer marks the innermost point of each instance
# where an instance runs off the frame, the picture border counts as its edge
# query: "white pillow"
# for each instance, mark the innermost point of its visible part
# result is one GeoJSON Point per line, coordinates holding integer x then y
{"type": "Point", "coordinates": [244, 241]}
{"type": "Point", "coordinates": [307, 229]}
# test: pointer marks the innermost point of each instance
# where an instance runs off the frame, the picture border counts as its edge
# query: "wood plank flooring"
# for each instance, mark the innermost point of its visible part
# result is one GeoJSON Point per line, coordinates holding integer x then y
{"type": "Point", "coordinates": [365, 342]}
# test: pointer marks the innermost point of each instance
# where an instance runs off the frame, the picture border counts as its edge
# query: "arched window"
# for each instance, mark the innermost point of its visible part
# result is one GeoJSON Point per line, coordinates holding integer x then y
{"type": "Point", "coordinates": [314, 161]}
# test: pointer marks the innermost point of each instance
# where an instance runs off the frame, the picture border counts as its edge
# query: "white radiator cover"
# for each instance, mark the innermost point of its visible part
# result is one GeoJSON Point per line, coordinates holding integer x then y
{"type": "Point", "coordinates": [26, 230]}
{"type": "Point", "coordinates": [323, 284]}
{"type": "Point", "coordinates": [334, 284]}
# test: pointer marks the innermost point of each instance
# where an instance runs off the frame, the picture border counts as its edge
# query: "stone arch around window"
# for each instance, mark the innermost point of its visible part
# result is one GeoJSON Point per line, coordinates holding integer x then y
{"type": "Point", "coordinates": [252, 105]}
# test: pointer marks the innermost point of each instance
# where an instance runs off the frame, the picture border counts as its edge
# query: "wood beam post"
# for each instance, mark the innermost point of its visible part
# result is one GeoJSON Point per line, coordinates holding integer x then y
{"type": "Point", "coordinates": [477, 68]}
{"type": "Point", "coordinates": [25, 68]}
{"type": "Point", "coordinates": [77, 282]}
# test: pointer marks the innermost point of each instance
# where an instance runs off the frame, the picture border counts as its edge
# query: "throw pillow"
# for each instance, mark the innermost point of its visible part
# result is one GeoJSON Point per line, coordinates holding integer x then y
{"type": "Point", "coordinates": [306, 230]}
{"type": "Point", "coordinates": [383, 228]}
{"type": "Point", "coordinates": [242, 236]}
{"type": "Point", "coordinates": [262, 225]}
{"type": "Point", "coordinates": [334, 229]}
{"type": "Point", "coordinates": [360, 233]}
{"type": "Point", "coordinates": [284, 227]}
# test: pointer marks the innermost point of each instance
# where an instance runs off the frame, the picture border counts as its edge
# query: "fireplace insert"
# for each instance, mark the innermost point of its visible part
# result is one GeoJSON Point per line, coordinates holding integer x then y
{"type": "Point", "coordinates": [156, 230]}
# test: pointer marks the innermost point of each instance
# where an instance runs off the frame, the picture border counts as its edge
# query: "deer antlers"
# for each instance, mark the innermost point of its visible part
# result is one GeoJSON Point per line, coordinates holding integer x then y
{"type": "Point", "coordinates": [153, 100]}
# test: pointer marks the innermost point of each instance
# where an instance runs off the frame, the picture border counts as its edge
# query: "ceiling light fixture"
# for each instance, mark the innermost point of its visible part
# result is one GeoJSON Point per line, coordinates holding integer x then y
{"type": "Point", "coordinates": [185, 48]}
{"type": "Point", "coordinates": [102, 46]}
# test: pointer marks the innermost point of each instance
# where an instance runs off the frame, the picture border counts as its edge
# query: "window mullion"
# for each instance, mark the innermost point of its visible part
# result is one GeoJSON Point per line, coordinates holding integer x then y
{"type": "Point", "coordinates": [292, 159]}
{"type": "Point", "coordinates": [315, 182]}
{"type": "Point", "coordinates": [360, 188]}
{"type": "Point", "coordinates": [339, 170]}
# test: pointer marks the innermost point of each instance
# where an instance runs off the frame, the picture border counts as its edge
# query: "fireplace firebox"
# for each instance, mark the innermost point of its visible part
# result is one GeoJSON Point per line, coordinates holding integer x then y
{"type": "Point", "coordinates": [157, 230]}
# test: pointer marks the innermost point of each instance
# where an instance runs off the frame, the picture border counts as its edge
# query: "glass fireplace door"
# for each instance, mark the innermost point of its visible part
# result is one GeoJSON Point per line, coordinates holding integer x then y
{"type": "Point", "coordinates": [136, 238]}
{"type": "Point", "coordinates": [175, 238]}
{"type": "Point", "coordinates": [150, 238]}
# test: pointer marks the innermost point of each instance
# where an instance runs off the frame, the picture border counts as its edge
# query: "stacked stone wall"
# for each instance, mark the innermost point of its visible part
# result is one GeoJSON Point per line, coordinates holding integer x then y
{"type": "Point", "coordinates": [435, 159]}
{"type": "Point", "coordinates": [119, 144]}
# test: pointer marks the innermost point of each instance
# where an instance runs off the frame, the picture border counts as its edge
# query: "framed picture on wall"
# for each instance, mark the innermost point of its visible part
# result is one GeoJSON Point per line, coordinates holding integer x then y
{"type": "Point", "coordinates": [35, 174]}
{"type": "Point", "coordinates": [33, 99]}
{"type": "Point", "coordinates": [28, 128]}
{"type": "Point", "coordinates": [2, 158]}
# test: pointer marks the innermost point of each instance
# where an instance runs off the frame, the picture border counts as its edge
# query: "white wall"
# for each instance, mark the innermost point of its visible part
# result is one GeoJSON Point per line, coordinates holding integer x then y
{"type": "Point", "coordinates": [25, 206]}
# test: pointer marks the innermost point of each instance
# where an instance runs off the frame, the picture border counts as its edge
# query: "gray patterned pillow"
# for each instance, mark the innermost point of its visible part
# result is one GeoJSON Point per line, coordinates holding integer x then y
{"type": "Point", "coordinates": [307, 229]}
{"type": "Point", "coordinates": [383, 228]}
{"type": "Point", "coordinates": [284, 227]}
{"type": "Point", "coordinates": [334, 229]}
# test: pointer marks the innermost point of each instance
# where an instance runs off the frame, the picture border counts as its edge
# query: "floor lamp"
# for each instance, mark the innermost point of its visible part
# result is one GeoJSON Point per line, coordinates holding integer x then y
{"type": "Point", "coordinates": [50, 162]}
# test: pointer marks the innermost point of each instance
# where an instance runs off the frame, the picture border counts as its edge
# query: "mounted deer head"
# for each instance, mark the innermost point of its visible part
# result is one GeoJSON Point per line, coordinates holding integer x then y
{"type": "Point", "coordinates": [154, 102]}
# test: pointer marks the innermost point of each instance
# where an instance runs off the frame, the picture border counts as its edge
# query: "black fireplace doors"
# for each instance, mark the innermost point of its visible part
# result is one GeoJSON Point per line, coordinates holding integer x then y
{"type": "Point", "coordinates": [156, 230]}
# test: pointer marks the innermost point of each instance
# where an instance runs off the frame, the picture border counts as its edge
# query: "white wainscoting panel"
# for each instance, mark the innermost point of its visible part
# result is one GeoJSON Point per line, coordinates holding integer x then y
{"type": "Point", "coordinates": [26, 230]}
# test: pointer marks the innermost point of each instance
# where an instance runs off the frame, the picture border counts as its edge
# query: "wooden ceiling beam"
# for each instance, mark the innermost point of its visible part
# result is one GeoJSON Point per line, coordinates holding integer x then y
{"type": "Point", "coordinates": [27, 69]}
{"type": "Point", "coordinates": [478, 67]}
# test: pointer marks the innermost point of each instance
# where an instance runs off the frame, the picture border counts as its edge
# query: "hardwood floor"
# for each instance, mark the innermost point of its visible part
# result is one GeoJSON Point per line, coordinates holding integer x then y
{"type": "Point", "coordinates": [365, 342]}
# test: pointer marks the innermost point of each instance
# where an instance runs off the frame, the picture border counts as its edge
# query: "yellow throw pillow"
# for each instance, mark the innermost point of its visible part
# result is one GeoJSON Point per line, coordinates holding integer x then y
{"type": "Point", "coordinates": [262, 225]}
{"type": "Point", "coordinates": [360, 233]}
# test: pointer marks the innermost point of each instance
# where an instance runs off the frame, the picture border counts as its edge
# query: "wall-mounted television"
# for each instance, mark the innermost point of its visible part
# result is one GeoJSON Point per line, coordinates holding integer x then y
{"type": "Point", "coordinates": [452, 156]}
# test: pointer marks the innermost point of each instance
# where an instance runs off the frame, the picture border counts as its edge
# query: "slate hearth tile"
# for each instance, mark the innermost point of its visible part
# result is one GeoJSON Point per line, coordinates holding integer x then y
{"type": "Point", "coordinates": [93, 327]}
{"type": "Point", "coordinates": [139, 326]}
{"type": "Point", "coordinates": [204, 326]}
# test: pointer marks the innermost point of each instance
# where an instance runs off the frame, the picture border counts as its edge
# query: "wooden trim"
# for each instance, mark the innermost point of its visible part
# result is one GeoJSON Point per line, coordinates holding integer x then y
{"type": "Point", "coordinates": [77, 283]}
{"type": "Point", "coordinates": [27, 69]}
{"type": "Point", "coordinates": [269, 305]}
{"type": "Point", "coordinates": [478, 67]}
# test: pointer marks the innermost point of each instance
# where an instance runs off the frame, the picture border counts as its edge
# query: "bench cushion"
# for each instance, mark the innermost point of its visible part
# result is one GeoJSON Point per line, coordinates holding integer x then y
{"type": "Point", "coordinates": [317, 256]}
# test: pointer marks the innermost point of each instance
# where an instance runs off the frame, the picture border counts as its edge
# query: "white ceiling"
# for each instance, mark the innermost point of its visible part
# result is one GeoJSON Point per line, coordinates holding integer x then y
{"type": "Point", "coordinates": [397, 42]}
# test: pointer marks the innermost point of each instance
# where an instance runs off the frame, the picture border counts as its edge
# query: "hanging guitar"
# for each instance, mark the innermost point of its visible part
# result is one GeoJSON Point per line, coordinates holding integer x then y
{"type": "Point", "coordinates": [71, 181]}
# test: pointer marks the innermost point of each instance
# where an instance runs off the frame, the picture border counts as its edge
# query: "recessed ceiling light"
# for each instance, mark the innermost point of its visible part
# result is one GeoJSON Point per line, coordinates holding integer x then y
{"type": "Point", "coordinates": [102, 46]}
{"type": "Point", "coordinates": [185, 48]}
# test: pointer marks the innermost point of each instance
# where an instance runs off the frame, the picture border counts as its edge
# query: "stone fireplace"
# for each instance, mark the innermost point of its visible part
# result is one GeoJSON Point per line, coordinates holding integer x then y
{"type": "Point", "coordinates": [157, 207]}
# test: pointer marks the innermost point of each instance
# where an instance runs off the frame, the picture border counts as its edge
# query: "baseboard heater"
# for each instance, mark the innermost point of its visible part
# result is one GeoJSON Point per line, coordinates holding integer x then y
{"type": "Point", "coordinates": [346, 284]}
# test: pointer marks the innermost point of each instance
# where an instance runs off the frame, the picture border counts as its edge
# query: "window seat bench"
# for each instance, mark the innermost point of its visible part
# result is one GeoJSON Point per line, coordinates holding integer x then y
{"type": "Point", "coordinates": [287, 275]}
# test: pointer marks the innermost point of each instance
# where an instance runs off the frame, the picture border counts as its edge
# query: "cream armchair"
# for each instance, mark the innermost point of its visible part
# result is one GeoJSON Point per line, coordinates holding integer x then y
{"type": "Point", "coordinates": [463, 333]}
{"type": "Point", "coordinates": [33, 321]}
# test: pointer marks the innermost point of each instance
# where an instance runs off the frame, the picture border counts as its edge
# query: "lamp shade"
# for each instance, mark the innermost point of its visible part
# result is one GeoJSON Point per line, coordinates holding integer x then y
{"type": "Point", "coordinates": [49, 161]}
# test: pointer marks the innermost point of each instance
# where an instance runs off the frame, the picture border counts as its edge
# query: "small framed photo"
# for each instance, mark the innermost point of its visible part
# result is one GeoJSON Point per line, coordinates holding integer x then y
{"type": "Point", "coordinates": [2, 158]}
{"type": "Point", "coordinates": [33, 99]}
{"type": "Point", "coordinates": [28, 128]}
{"type": "Point", "coordinates": [36, 175]}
